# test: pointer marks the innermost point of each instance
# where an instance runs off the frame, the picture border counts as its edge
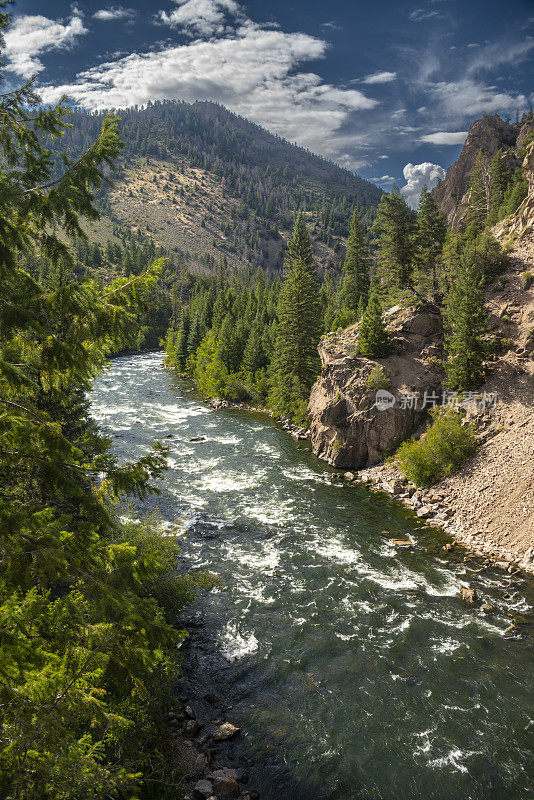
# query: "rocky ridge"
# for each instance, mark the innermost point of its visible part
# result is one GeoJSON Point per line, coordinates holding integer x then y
{"type": "Point", "coordinates": [488, 135]}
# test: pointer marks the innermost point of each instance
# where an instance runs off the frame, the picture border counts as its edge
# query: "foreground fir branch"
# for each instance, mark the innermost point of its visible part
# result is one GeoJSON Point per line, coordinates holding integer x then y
{"type": "Point", "coordinates": [86, 607]}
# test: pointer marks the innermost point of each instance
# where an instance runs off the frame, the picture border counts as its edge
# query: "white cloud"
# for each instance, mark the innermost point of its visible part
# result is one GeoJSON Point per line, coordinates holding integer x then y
{"type": "Point", "coordinates": [419, 14]}
{"type": "Point", "coordinates": [253, 73]}
{"type": "Point", "coordinates": [417, 176]}
{"type": "Point", "coordinates": [444, 137]}
{"type": "Point", "coordinates": [31, 36]}
{"type": "Point", "coordinates": [468, 98]}
{"type": "Point", "coordinates": [114, 12]}
{"type": "Point", "coordinates": [380, 77]}
{"type": "Point", "coordinates": [384, 179]}
{"type": "Point", "coordinates": [492, 55]}
{"type": "Point", "coordinates": [202, 17]}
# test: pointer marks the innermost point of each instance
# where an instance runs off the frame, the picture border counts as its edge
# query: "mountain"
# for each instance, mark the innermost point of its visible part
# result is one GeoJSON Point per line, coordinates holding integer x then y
{"type": "Point", "coordinates": [487, 135]}
{"type": "Point", "coordinates": [212, 187]}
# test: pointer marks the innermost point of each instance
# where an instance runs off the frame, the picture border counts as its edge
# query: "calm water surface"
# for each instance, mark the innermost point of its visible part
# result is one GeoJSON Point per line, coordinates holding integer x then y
{"type": "Point", "coordinates": [350, 663]}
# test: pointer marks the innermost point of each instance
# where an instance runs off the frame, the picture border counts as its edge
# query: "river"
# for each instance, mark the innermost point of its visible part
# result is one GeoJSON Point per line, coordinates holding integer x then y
{"type": "Point", "coordinates": [353, 666]}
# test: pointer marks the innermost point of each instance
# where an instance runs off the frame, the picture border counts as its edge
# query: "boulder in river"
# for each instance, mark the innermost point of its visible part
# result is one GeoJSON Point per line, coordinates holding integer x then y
{"type": "Point", "coordinates": [225, 788]}
{"type": "Point", "coordinates": [469, 594]}
{"type": "Point", "coordinates": [203, 789]}
{"type": "Point", "coordinates": [225, 731]}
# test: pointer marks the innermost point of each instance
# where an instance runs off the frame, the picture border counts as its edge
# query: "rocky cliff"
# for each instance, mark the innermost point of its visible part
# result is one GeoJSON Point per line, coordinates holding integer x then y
{"type": "Point", "coordinates": [489, 135]}
{"type": "Point", "coordinates": [362, 408]}
{"type": "Point", "coordinates": [520, 225]}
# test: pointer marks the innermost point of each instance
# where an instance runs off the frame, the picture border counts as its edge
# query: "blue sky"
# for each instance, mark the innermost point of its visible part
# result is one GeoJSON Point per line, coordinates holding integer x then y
{"type": "Point", "coordinates": [387, 88]}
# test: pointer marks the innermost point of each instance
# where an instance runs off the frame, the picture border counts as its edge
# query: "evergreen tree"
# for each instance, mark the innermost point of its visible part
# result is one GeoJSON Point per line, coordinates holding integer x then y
{"type": "Point", "coordinates": [499, 177]}
{"type": "Point", "coordinates": [373, 337]}
{"type": "Point", "coordinates": [254, 356]}
{"type": "Point", "coordinates": [466, 324]}
{"type": "Point", "coordinates": [479, 202]}
{"type": "Point", "coordinates": [395, 234]}
{"type": "Point", "coordinates": [228, 345]}
{"type": "Point", "coordinates": [431, 233]}
{"type": "Point", "coordinates": [195, 336]}
{"type": "Point", "coordinates": [355, 282]}
{"type": "Point", "coordinates": [181, 350]}
{"type": "Point", "coordinates": [299, 327]}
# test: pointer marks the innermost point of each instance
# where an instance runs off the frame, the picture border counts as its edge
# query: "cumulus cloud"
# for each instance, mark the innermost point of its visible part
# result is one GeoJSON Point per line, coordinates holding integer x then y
{"type": "Point", "coordinates": [417, 176]}
{"type": "Point", "coordinates": [384, 179]}
{"type": "Point", "coordinates": [253, 72]}
{"type": "Point", "coordinates": [114, 12]}
{"type": "Point", "coordinates": [31, 36]}
{"type": "Point", "coordinates": [380, 77]}
{"type": "Point", "coordinates": [444, 137]}
{"type": "Point", "coordinates": [202, 17]}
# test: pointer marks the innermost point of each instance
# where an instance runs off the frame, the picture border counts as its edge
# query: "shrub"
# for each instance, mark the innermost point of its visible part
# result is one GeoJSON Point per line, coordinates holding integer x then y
{"type": "Point", "coordinates": [439, 452]}
{"type": "Point", "coordinates": [526, 279]}
{"type": "Point", "coordinates": [377, 379]}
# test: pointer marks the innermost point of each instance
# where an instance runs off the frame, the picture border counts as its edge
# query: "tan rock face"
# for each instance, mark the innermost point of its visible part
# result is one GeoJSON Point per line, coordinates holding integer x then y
{"type": "Point", "coordinates": [361, 408]}
{"type": "Point", "coordinates": [488, 134]}
{"type": "Point", "coordinates": [521, 224]}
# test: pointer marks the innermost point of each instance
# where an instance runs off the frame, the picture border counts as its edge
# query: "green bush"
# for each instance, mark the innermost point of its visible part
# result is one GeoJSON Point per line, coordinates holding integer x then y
{"type": "Point", "coordinates": [377, 379]}
{"type": "Point", "coordinates": [439, 452]}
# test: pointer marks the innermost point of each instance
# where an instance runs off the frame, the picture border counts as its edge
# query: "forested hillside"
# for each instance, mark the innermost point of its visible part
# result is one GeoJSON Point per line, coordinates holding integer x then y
{"type": "Point", "coordinates": [212, 187]}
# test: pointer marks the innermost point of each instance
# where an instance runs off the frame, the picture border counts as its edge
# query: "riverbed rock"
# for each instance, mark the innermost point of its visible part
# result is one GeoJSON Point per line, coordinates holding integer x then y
{"type": "Point", "coordinates": [197, 439]}
{"type": "Point", "coordinates": [225, 731]}
{"type": "Point", "coordinates": [203, 789]}
{"type": "Point", "coordinates": [469, 594]}
{"type": "Point", "coordinates": [424, 512]}
{"type": "Point", "coordinates": [191, 727]}
{"type": "Point", "coordinates": [225, 788]}
{"type": "Point", "coordinates": [360, 408]}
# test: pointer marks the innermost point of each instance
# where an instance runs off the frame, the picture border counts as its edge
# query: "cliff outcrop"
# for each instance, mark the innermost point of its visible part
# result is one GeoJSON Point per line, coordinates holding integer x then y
{"type": "Point", "coordinates": [360, 408]}
{"type": "Point", "coordinates": [488, 135]}
{"type": "Point", "coordinates": [521, 224]}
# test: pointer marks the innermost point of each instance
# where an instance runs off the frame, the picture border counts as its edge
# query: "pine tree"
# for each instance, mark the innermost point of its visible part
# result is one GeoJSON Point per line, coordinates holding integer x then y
{"type": "Point", "coordinates": [373, 337]}
{"type": "Point", "coordinates": [299, 327]}
{"type": "Point", "coordinates": [355, 283]}
{"type": "Point", "coordinates": [395, 234]}
{"type": "Point", "coordinates": [431, 233]}
{"type": "Point", "coordinates": [499, 177]}
{"type": "Point", "coordinates": [195, 336]}
{"type": "Point", "coordinates": [254, 356]}
{"type": "Point", "coordinates": [181, 350]}
{"type": "Point", "coordinates": [466, 324]}
{"type": "Point", "coordinates": [228, 344]}
{"type": "Point", "coordinates": [479, 202]}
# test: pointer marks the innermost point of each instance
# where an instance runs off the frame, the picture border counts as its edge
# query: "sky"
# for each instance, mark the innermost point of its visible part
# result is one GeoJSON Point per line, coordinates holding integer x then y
{"type": "Point", "coordinates": [386, 88]}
